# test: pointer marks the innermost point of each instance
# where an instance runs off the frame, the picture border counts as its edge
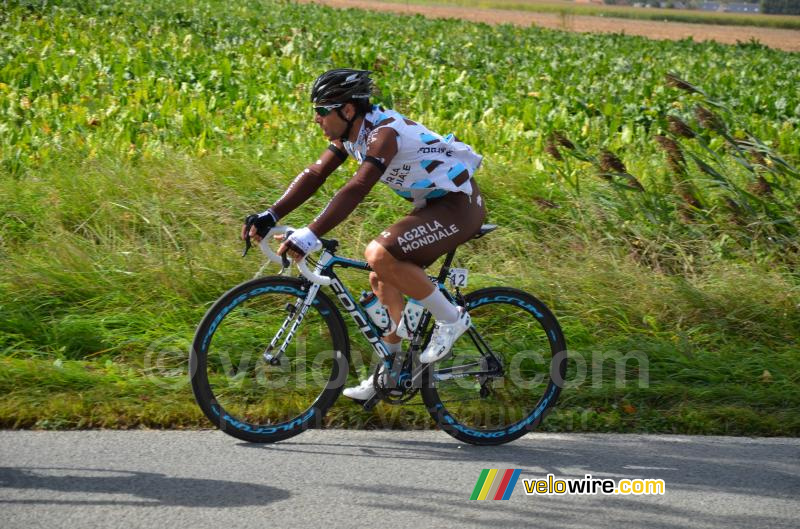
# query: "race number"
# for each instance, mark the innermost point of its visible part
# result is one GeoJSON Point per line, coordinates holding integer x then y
{"type": "Point", "coordinates": [458, 277]}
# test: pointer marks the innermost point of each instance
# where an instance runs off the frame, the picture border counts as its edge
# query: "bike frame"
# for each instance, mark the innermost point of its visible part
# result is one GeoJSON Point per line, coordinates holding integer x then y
{"type": "Point", "coordinates": [393, 363]}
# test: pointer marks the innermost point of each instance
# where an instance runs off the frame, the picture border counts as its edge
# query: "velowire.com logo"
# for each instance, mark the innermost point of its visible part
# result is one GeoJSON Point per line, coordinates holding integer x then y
{"type": "Point", "coordinates": [495, 484]}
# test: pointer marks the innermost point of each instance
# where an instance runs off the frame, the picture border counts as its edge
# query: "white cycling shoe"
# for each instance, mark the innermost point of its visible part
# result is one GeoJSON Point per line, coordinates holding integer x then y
{"type": "Point", "coordinates": [363, 391]}
{"type": "Point", "coordinates": [444, 336]}
{"type": "Point", "coordinates": [366, 389]}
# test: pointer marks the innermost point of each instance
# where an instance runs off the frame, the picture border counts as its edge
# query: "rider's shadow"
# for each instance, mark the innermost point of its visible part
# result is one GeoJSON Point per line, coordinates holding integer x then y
{"type": "Point", "coordinates": [146, 488]}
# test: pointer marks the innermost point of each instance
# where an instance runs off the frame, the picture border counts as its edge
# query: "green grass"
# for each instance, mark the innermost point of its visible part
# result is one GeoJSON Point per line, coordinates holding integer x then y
{"type": "Point", "coordinates": [568, 8]}
{"type": "Point", "coordinates": [135, 137]}
{"type": "Point", "coordinates": [89, 332]}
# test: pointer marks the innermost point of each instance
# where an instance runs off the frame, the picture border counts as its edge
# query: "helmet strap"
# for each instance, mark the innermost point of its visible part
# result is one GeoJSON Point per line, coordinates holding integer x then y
{"type": "Point", "coordinates": [346, 133]}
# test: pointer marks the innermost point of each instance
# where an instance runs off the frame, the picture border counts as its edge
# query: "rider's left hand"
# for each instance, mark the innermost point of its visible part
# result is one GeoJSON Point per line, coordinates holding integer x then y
{"type": "Point", "coordinates": [260, 224]}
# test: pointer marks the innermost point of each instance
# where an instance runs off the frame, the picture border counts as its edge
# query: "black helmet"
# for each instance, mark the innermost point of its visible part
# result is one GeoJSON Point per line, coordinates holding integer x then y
{"type": "Point", "coordinates": [341, 86]}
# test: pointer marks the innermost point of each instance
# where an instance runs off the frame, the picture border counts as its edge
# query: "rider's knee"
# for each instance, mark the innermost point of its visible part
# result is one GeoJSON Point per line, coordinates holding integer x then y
{"type": "Point", "coordinates": [377, 256]}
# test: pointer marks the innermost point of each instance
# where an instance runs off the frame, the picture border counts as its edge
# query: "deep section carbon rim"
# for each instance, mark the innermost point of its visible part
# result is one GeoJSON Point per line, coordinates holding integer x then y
{"type": "Point", "coordinates": [503, 376]}
{"type": "Point", "coordinates": [249, 397]}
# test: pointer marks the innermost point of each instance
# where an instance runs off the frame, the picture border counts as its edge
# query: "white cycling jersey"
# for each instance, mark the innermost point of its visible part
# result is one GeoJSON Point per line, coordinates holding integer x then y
{"type": "Point", "coordinates": [426, 165]}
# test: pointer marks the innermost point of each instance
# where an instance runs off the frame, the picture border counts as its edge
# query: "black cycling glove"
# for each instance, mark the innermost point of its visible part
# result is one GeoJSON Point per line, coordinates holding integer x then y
{"type": "Point", "coordinates": [262, 221]}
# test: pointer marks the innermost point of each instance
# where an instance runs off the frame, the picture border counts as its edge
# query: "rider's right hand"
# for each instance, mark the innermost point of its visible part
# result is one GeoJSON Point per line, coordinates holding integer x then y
{"type": "Point", "coordinates": [260, 224]}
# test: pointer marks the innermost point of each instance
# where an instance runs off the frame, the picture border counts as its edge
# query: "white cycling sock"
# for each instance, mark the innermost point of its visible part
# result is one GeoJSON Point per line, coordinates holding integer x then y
{"type": "Point", "coordinates": [440, 307]}
{"type": "Point", "coordinates": [394, 348]}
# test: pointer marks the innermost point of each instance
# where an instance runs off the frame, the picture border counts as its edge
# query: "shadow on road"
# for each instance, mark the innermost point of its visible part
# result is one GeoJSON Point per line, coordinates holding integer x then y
{"type": "Point", "coordinates": [697, 470]}
{"type": "Point", "coordinates": [150, 489]}
{"type": "Point", "coordinates": [702, 464]}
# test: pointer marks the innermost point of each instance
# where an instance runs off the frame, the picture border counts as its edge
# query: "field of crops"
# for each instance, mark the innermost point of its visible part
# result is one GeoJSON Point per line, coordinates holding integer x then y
{"type": "Point", "coordinates": [568, 7]}
{"type": "Point", "coordinates": [654, 213]}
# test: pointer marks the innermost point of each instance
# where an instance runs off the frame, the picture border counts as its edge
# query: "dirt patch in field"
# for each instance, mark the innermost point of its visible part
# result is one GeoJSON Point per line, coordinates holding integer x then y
{"type": "Point", "coordinates": [783, 39]}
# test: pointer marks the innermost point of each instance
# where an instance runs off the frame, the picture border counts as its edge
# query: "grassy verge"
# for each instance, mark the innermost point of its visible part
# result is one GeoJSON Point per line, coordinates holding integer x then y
{"type": "Point", "coordinates": [567, 8]}
{"type": "Point", "coordinates": [98, 338]}
{"type": "Point", "coordinates": [43, 394]}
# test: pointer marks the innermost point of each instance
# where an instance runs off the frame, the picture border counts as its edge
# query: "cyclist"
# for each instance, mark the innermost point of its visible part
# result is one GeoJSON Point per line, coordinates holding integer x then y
{"type": "Point", "coordinates": [435, 173]}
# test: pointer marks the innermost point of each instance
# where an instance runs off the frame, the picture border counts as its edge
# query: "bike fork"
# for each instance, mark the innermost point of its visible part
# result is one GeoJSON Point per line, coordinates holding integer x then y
{"type": "Point", "coordinates": [295, 318]}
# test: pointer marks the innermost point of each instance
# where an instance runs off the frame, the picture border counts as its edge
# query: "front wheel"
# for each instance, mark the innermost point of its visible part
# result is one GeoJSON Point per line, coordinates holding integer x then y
{"type": "Point", "coordinates": [503, 374]}
{"type": "Point", "coordinates": [245, 395]}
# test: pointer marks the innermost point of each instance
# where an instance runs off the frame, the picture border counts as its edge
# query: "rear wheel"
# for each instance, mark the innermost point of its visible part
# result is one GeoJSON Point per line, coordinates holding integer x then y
{"type": "Point", "coordinates": [250, 398]}
{"type": "Point", "coordinates": [503, 374]}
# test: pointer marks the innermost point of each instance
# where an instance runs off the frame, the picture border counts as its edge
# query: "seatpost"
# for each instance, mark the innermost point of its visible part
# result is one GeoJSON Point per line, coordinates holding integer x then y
{"type": "Point", "coordinates": [443, 273]}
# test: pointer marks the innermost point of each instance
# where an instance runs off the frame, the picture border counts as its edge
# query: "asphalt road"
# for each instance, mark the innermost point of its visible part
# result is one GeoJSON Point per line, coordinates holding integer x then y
{"type": "Point", "coordinates": [364, 479]}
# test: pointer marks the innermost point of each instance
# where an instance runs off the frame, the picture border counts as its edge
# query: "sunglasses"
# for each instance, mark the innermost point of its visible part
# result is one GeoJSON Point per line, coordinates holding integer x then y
{"type": "Point", "coordinates": [324, 110]}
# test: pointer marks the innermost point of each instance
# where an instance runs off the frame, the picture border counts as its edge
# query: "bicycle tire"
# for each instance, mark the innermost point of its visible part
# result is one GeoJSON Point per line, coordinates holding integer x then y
{"type": "Point", "coordinates": [520, 329]}
{"type": "Point", "coordinates": [241, 393]}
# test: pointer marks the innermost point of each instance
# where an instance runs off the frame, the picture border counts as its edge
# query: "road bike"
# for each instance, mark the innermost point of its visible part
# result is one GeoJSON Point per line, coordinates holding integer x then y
{"type": "Point", "coordinates": [272, 355]}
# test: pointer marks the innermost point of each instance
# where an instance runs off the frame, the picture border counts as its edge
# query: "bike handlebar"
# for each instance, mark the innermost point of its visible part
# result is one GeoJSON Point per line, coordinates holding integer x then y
{"type": "Point", "coordinates": [302, 265]}
{"type": "Point", "coordinates": [265, 247]}
{"type": "Point", "coordinates": [310, 275]}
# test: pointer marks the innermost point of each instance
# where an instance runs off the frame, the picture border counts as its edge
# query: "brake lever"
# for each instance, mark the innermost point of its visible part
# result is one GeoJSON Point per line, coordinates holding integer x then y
{"type": "Point", "coordinates": [285, 261]}
{"type": "Point", "coordinates": [247, 243]}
